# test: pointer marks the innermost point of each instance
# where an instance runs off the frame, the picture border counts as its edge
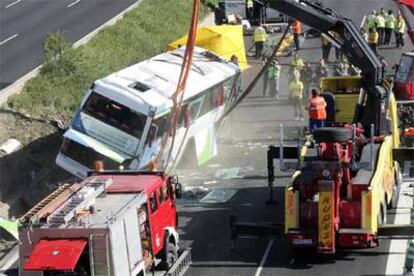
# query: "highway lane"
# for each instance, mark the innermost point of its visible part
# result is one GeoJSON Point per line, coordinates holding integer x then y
{"type": "Point", "coordinates": [24, 25]}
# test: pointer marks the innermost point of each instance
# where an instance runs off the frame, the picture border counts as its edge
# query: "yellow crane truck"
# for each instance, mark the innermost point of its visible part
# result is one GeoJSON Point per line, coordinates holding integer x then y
{"type": "Point", "coordinates": [346, 175]}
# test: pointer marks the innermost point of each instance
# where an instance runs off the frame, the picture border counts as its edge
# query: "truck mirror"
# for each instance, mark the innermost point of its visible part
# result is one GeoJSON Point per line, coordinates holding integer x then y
{"type": "Point", "coordinates": [178, 189]}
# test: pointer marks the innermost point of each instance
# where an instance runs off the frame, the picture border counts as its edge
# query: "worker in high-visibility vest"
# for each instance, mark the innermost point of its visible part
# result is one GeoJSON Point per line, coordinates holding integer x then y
{"type": "Point", "coordinates": [295, 95]}
{"type": "Point", "coordinates": [389, 26]}
{"type": "Point", "coordinates": [317, 111]}
{"type": "Point", "coordinates": [371, 19]}
{"type": "Point", "coordinates": [249, 9]}
{"type": "Point", "coordinates": [259, 38]}
{"type": "Point", "coordinates": [380, 22]}
{"type": "Point", "coordinates": [373, 39]}
{"type": "Point", "coordinates": [273, 74]}
{"type": "Point", "coordinates": [400, 28]}
{"type": "Point", "coordinates": [296, 30]}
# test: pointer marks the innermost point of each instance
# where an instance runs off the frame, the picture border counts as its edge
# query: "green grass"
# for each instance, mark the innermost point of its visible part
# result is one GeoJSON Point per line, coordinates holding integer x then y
{"type": "Point", "coordinates": [142, 33]}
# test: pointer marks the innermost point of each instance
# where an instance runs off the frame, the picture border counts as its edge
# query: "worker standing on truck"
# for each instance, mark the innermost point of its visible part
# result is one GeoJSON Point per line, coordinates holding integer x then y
{"type": "Point", "coordinates": [296, 30]}
{"type": "Point", "coordinates": [259, 38]}
{"type": "Point", "coordinates": [389, 26]}
{"type": "Point", "coordinates": [295, 95]}
{"type": "Point", "coordinates": [400, 28]}
{"type": "Point", "coordinates": [380, 22]}
{"type": "Point", "coordinates": [373, 39]}
{"type": "Point", "coordinates": [317, 112]}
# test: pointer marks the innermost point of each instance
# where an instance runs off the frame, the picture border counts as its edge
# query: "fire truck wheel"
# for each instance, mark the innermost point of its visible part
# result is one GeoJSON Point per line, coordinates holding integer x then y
{"type": "Point", "coordinates": [171, 257]}
{"type": "Point", "coordinates": [332, 134]}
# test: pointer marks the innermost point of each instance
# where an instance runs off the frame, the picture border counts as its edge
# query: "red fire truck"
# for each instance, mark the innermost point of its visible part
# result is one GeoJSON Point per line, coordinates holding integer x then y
{"type": "Point", "coordinates": [112, 223]}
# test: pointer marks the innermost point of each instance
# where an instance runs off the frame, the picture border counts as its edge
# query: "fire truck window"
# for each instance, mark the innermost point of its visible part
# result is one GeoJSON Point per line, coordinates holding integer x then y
{"type": "Point", "coordinates": [160, 196]}
{"type": "Point", "coordinates": [153, 202]}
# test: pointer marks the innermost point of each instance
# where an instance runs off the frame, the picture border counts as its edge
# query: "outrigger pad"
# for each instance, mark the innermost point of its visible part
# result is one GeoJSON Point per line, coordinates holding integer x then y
{"type": "Point", "coordinates": [403, 154]}
{"type": "Point", "coordinates": [289, 152]}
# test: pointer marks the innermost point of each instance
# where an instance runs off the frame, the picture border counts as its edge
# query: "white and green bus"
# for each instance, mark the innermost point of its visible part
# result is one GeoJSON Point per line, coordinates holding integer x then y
{"type": "Point", "coordinates": [124, 118]}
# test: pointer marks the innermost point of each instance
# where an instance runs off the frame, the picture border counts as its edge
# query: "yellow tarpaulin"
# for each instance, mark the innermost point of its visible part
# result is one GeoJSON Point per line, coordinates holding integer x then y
{"type": "Point", "coordinates": [225, 40]}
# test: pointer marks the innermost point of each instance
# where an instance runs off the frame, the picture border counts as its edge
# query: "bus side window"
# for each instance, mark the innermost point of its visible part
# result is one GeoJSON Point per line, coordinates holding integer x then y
{"type": "Point", "coordinates": [208, 103]}
{"type": "Point", "coordinates": [195, 106]}
{"type": "Point", "coordinates": [153, 203]}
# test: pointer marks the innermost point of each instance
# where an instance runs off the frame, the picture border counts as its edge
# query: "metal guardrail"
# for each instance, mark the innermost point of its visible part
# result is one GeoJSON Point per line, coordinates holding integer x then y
{"type": "Point", "coordinates": [181, 265]}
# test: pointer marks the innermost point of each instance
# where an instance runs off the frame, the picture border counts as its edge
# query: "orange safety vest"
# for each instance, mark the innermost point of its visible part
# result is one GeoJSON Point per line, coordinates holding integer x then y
{"type": "Point", "coordinates": [317, 108]}
{"type": "Point", "coordinates": [296, 27]}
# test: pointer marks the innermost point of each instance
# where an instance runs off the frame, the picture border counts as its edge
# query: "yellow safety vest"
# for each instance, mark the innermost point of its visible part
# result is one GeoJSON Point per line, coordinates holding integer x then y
{"type": "Point", "coordinates": [390, 21]}
{"type": "Point", "coordinates": [259, 35]}
{"type": "Point", "coordinates": [373, 37]}
{"type": "Point", "coordinates": [380, 21]}
{"type": "Point", "coordinates": [400, 26]}
{"type": "Point", "coordinates": [371, 21]}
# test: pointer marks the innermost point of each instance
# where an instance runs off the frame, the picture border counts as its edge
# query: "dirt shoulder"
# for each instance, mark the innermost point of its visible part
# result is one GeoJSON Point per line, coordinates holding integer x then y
{"type": "Point", "coordinates": [30, 173]}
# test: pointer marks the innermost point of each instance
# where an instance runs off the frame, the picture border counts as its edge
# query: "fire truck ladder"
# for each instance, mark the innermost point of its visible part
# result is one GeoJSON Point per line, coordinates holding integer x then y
{"type": "Point", "coordinates": [78, 201]}
{"type": "Point", "coordinates": [36, 211]}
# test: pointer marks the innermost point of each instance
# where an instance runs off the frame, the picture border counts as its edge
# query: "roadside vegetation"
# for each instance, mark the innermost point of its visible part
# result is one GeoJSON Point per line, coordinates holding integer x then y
{"type": "Point", "coordinates": [67, 73]}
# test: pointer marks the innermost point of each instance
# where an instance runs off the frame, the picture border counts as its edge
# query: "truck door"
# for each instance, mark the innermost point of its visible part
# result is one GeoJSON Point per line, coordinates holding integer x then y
{"type": "Point", "coordinates": [162, 215]}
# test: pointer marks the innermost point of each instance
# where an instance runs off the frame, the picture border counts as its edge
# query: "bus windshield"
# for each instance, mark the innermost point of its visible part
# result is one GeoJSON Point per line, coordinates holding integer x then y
{"type": "Point", "coordinates": [115, 114]}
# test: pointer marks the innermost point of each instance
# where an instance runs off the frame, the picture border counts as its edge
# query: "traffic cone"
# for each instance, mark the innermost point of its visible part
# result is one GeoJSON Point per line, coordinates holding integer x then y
{"type": "Point", "coordinates": [409, 259]}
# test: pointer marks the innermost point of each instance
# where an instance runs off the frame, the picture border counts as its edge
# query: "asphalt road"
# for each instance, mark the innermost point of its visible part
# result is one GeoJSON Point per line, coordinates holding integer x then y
{"type": "Point", "coordinates": [239, 173]}
{"type": "Point", "coordinates": [25, 23]}
{"type": "Point", "coordinates": [240, 169]}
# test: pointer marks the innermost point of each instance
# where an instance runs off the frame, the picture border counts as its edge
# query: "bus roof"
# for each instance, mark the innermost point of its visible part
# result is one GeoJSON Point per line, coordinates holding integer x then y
{"type": "Point", "coordinates": [151, 83]}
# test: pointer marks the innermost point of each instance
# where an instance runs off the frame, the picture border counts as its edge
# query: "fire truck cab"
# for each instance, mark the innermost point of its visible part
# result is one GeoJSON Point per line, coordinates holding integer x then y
{"type": "Point", "coordinates": [112, 223]}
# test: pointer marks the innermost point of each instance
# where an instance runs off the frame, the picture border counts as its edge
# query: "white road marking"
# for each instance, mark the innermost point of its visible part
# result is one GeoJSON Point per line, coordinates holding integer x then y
{"type": "Point", "coordinates": [12, 4]}
{"type": "Point", "coordinates": [73, 3]}
{"type": "Point", "coordinates": [10, 259]}
{"type": "Point", "coordinates": [8, 39]}
{"type": "Point", "coordinates": [398, 248]}
{"type": "Point", "coordinates": [263, 261]}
